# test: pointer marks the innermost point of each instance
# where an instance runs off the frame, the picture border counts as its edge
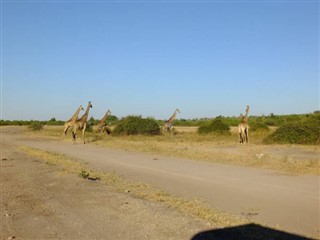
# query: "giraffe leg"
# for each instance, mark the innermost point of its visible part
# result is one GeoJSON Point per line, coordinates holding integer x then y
{"type": "Point", "coordinates": [74, 133]}
{"type": "Point", "coordinates": [247, 135]}
{"type": "Point", "coordinates": [240, 134]}
{"type": "Point", "coordinates": [65, 131]}
{"type": "Point", "coordinates": [83, 133]}
{"type": "Point", "coordinates": [73, 136]}
{"type": "Point", "coordinates": [102, 129]}
{"type": "Point", "coordinates": [242, 139]}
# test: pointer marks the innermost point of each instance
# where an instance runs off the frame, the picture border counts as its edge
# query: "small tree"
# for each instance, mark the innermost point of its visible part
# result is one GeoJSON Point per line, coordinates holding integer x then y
{"type": "Point", "coordinates": [36, 126]}
{"type": "Point", "coordinates": [134, 125]}
{"type": "Point", "coordinates": [112, 119]}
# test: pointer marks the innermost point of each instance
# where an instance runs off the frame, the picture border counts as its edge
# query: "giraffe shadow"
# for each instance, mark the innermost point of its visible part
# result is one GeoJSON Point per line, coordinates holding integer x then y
{"type": "Point", "coordinates": [247, 232]}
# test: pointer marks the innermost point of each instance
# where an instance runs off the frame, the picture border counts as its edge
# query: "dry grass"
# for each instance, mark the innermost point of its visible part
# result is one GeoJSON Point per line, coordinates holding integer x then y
{"type": "Point", "coordinates": [223, 149]}
{"type": "Point", "coordinates": [194, 208]}
{"type": "Point", "coordinates": [186, 143]}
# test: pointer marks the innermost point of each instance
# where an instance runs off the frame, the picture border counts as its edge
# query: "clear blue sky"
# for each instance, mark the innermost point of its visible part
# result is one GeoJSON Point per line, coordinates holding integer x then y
{"type": "Point", "coordinates": [207, 58]}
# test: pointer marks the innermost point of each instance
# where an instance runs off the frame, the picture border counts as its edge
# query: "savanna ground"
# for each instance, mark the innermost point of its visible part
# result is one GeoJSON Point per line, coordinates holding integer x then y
{"type": "Point", "coordinates": [48, 196]}
{"type": "Point", "coordinates": [186, 143]}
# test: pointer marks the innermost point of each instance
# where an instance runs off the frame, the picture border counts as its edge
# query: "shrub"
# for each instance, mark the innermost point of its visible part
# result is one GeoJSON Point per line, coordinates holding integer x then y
{"type": "Point", "coordinates": [54, 122]}
{"type": "Point", "coordinates": [89, 126]}
{"type": "Point", "coordinates": [259, 127]}
{"type": "Point", "coordinates": [36, 126]}
{"type": "Point", "coordinates": [214, 126]}
{"type": "Point", "coordinates": [296, 134]}
{"type": "Point", "coordinates": [312, 119]}
{"type": "Point", "coordinates": [134, 125]}
{"type": "Point", "coordinates": [112, 119]}
{"type": "Point", "coordinates": [84, 174]}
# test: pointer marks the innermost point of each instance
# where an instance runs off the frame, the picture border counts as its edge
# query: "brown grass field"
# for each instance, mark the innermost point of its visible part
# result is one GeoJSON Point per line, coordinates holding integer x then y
{"type": "Point", "coordinates": [187, 143]}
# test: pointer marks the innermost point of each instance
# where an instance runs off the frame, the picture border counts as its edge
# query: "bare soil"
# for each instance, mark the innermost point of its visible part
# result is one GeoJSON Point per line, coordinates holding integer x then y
{"type": "Point", "coordinates": [39, 202]}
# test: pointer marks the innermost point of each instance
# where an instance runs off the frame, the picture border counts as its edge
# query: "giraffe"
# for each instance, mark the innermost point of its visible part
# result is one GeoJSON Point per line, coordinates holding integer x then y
{"type": "Point", "coordinates": [168, 125]}
{"type": "Point", "coordinates": [244, 128]}
{"type": "Point", "coordinates": [102, 124]}
{"type": "Point", "coordinates": [81, 123]}
{"type": "Point", "coordinates": [72, 120]}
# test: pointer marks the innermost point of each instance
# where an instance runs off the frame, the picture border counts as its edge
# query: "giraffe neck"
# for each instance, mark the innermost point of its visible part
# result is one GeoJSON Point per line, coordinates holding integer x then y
{"type": "Point", "coordinates": [173, 117]}
{"type": "Point", "coordinates": [247, 112]}
{"type": "Point", "coordinates": [105, 117]}
{"type": "Point", "coordinates": [75, 115]}
{"type": "Point", "coordinates": [85, 115]}
{"type": "Point", "coordinates": [244, 119]}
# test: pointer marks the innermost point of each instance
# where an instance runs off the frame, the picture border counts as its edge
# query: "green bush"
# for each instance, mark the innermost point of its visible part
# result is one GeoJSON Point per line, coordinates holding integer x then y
{"type": "Point", "coordinates": [134, 125]}
{"type": "Point", "coordinates": [36, 126]}
{"type": "Point", "coordinates": [296, 134]}
{"type": "Point", "coordinates": [54, 122]}
{"type": "Point", "coordinates": [312, 119]}
{"type": "Point", "coordinates": [259, 127]}
{"type": "Point", "coordinates": [215, 126]}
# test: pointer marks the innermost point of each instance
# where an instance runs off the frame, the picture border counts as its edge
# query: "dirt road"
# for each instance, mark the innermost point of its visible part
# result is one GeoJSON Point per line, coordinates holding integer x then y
{"type": "Point", "coordinates": [38, 202]}
{"type": "Point", "coordinates": [290, 203]}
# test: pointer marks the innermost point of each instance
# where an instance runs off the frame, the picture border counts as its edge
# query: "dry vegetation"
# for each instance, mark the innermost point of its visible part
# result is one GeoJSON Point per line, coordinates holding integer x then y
{"type": "Point", "coordinates": [187, 143]}
{"type": "Point", "coordinates": [194, 207]}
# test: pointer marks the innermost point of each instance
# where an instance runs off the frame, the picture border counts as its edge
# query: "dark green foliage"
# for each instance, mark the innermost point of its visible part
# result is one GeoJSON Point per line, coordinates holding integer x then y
{"type": "Point", "coordinates": [230, 121]}
{"type": "Point", "coordinates": [312, 119]}
{"type": "Point", "coordinates": [134, 125]}
{"type": "Point", "coordinates": [187, 122]}
{"type": "Point", "coordinates": [296, 134]}
{"type": "Point", "coordinates": [14, 122]}
{"type": "Point", "coordinates": [51, 122]}
{"type": "Point", "coordinates": [36, 126]}
{"type": "Point", "coordinates": [90, 123]}
{"type": "Point", "coordinates": [215, 126]}
{"type": "Point", "coordinates": [259, 127]}
{"type": "Point", "coordinates": [112, 119]}
{"type": "Point", "coordinates": [306, 132]}
{"type": "Point", "coordinates": [54, 122]}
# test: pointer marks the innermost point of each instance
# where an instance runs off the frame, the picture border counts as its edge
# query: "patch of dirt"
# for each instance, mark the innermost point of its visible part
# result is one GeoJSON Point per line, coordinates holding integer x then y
{"type": "Point", "coordinates": [39, 202]}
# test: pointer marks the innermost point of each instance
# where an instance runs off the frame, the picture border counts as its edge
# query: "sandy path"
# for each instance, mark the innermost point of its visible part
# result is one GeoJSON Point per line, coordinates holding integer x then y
{"type": "Point", "coordinates": [288, 202]}
{"type": "Point", "coordinates": [39, 202]}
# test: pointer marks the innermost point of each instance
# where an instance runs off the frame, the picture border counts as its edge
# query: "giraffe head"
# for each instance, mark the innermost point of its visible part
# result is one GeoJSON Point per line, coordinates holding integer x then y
{"type": "Point", "coordinates": [177, 110]}
{"type": "Point", "coordinates": [247, 109]}
{"type": "Point", "coordinates": [81, 108]}
{"type": "Point", "coordinates": [245, 117]}
{"type": "Point", "coordinates": [89, 104]}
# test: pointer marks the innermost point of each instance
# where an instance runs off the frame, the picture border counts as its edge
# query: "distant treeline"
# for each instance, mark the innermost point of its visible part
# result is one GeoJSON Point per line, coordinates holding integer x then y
{"type": "Point", "coordinates": [52, 122]}
{"type": "Point", "coordinates": [270, 120]}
